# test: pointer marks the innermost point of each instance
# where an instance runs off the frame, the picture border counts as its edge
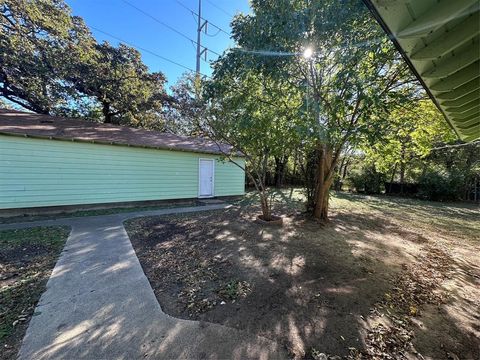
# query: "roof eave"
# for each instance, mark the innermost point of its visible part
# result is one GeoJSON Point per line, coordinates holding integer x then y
{"type": "Point", "coordinates": [406, 58]}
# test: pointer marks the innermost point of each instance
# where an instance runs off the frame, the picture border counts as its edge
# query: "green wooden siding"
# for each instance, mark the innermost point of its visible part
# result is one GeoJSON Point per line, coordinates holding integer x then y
{"type": "Point", "coordinates": [38, 172]}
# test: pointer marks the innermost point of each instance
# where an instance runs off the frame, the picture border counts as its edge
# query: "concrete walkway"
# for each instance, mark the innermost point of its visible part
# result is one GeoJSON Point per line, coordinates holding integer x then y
{"type": "Point", "coordinates": [100, 305]}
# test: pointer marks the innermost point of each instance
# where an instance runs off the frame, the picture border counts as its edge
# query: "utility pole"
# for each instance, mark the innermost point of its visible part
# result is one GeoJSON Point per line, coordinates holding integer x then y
{"type": "Point", "coordinates": [201, 24]}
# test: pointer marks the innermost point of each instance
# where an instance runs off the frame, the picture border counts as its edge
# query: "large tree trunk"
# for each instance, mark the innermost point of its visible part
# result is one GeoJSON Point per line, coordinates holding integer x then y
{"type": "Point", "coordinates": [321, 206]}
{"type": "Point", "coordinates": [324, 179]}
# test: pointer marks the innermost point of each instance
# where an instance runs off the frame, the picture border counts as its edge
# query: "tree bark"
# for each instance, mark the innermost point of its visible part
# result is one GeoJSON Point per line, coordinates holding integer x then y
{"type": "Point", "coordinates": [294, 178]}
{"type": "Point", "coordinates": [261, 187]}
{"type": "Point", "coordinates": [475, 196]}
{"type": "Point", "coordinates": [394, 172]}
{"type": "Point", "coordinates": [337, 185]}
{"type": "Point", "coordinates": [324, 178]}
{"type": "Point", "coordinates": [258, 180]}
{"type": "Point", "coordinates": [321, 205]}
{"type": "Point", "coordinates": [266, 211]}
{"type": "Point", "coordinates": [402, 168]}
{"type": "Point", "coordinates": [20, 97]}
{"type": "Point", "coordinates": [280, 167]}
{"type": "Point", "coordinates": [107, 115]}
{"type": "Point", "coordinates": [345, 169]}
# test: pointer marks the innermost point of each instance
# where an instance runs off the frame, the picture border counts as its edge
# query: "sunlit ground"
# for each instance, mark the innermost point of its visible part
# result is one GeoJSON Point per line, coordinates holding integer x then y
{"type": "Point", "coordinates": [385, 274]}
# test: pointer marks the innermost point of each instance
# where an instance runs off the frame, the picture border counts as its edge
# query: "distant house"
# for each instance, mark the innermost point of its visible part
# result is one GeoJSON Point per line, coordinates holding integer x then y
{"type": "Point", "coordinates": [51, 161]}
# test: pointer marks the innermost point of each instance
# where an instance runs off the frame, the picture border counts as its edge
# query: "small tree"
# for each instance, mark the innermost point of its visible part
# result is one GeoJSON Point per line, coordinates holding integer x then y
{"type": "Point", "coordinates": [255, 114]}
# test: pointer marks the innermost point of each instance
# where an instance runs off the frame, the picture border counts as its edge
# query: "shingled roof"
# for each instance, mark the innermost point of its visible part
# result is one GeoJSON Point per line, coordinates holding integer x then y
{"type": "Point", "coordinates": [59, 128]}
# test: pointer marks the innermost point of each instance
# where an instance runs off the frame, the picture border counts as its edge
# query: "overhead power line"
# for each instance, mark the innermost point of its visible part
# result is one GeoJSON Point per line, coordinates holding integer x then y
{"type": "Point", "coordinates": [208, 21]}
{"type": "Point", "coordinates": [145, 50]}
{"type": "Point", "coordinates": [219, 8]}
{"type": "Point", "coordinates": [168, 26]}
{"type": "Point", "coordinates": [473, 143]}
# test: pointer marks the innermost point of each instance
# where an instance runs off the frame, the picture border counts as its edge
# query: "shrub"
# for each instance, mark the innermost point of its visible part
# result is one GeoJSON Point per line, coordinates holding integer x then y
{"type": "Point", "coordinates": [368, 181]}
{"type": "Point", "coordinates": [438, 186]}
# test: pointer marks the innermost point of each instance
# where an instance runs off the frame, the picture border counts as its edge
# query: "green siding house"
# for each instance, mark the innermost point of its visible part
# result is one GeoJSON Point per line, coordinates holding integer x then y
{"type": "Point", "coordinates": [49, 161]}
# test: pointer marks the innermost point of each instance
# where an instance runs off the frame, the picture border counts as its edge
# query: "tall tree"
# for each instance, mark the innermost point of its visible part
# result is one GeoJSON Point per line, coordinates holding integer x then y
{"type": "Point", "coordinates": [37, 40]}
{"type": "Point", "coordinates": [351, 76]}
{"type": "Point", "coordinates": [120, 82]}
{"type": "Point", "coordinates": [185, 112]}
{"type": "Point", "coordinates": [51, 64]}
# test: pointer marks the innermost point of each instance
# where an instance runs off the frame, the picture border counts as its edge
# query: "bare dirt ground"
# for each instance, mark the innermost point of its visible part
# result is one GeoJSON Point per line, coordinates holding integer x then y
{"type": "Point", "coordinates": [27, 257]}
{"type": "Point", "coordinates": [386, 278]}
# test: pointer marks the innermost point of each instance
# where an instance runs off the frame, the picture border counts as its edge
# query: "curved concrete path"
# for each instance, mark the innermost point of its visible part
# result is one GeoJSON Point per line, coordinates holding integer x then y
{"type": "Point", "coordinates": [99, 305]}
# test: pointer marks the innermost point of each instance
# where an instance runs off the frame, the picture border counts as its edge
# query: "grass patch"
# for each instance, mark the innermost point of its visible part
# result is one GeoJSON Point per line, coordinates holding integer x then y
{"type": "Point", "coordinates": [51, 236]}
{"type": "Point", "coordinates": [93, 212]}
{"type": "Point", "coordinates": [27, 257]}
{"type": "Point", "coordinates": [235, 289]}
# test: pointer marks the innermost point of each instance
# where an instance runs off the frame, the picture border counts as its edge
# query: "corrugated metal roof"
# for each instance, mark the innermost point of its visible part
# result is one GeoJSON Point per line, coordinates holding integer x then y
{"type": "Point", "coordinates": [440, 40]}
{"type": "Point", "coordinates": [51, 127]}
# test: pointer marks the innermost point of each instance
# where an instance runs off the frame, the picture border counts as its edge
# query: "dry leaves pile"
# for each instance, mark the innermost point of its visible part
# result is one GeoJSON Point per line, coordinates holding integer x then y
{"type": "Point", "coordinates": [386, 342]}
{"type": "Point", "coordinates": [201, 288]}
{"type": "Point", "coordinates": [417, 285]}
{"type": "Point", "coordinates": [420, 283]}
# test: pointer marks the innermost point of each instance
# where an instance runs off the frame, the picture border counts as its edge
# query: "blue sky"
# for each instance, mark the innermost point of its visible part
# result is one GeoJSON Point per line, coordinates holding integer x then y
{"type": "Point", "coordinates": [118, 18]}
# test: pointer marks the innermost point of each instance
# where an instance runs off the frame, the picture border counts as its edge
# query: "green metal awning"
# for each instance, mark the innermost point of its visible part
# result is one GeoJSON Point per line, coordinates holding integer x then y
{"type": "Point", "coordinates": [440, 41]}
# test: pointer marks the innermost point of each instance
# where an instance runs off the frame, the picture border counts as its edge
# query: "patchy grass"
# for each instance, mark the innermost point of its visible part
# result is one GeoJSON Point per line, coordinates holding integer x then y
{"type": "Point", "coordinates": [95, 212]}
{"type": "Point", "coordinates": [27, 257]}
{"type": "Point", "coordinates": [386, 278]}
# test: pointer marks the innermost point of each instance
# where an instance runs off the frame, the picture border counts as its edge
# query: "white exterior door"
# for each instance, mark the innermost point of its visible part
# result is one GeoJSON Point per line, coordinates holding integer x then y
{"type": "Point", "coordinates": [206, 176]}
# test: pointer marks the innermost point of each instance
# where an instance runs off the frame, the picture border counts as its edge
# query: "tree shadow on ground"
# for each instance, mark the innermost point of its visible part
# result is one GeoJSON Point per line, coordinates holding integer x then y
{"type": "Point", "coordinates": [461, 218]}
{"type": "Point", "coordinates": [98, 304]}
{"type": "Point", "coordinates": [310, 287]}
{"type": "Point", "coordinates": [449, 329]}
